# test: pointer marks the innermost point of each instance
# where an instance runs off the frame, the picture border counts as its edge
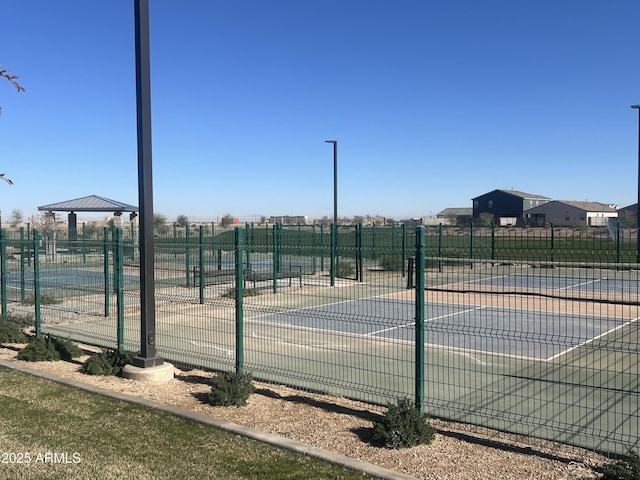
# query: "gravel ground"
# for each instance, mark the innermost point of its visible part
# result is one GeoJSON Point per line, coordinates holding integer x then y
{"type": "Point", "coordinates": [342, 426]}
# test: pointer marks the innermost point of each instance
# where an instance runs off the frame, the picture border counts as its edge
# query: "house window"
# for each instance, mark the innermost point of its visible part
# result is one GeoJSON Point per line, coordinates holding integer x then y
{"type": "Point", "coordinates": [476, 203]}
{"type": "Point", "coordinates": [490, 204]}
{"type": "Point", "coordinates": [567, 218]}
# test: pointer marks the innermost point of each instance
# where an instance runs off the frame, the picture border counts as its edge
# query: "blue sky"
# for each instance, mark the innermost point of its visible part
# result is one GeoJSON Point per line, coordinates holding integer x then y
{"type": "Point", "coordinates": [432, 104]}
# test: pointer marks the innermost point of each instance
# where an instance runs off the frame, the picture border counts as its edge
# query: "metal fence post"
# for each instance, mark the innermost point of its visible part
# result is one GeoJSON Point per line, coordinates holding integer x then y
{"type": "Point", "coordinates": [618, 241]}
{"type": "Point", "coordinates": [249, 231]}
{"type": "Point", "coordinates": [22, 254]}
{"type": "Point", "coordinates": [493, 241]}
{"type": "Point", "coordinates": [276, 258]}
{"type": "Point", "coordinates": [187, 256]}
{"type": "Point", "coordinates": [84, 243]}
{"type": "Point", "coordinates": [552, 245]}
{"type": "Point", "coordinates": [471, 247]}
{"type": "Point", "coordinates": [359, 256]}
{"type": "Point", "coordinates": [3, 271]}
{"type": "Point", "coordinates": [239, 306]}
{"type": "Point", "coordinates": [333, 254]}
{"type": "Point", "coordinates": [106, 271]}
{"type": "Point", "coordinates": [404, 249]}
{"type": "Point", "coordinates": [119, 280]}
{"type": "Point", "coordinates": [419, 320]}
{"type": "Point", "coordinates": [36, 281]}
{"type": "Point", "coordinates": [201, 266]}
{"type": "Point", "coordinates": [440, 248]}
{"type": "Point", "coordinates": [322, 247]}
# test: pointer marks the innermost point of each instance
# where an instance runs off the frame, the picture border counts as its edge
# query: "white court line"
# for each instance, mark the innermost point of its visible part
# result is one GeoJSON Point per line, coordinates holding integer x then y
{"type": "Point", "coordinates": [581, 284]}
{"type": "Point", "coordinates": [591, 340]}
{"type": "Point", "coordinates": [426, 320]}
{"type": "Point", "coordinates": [225, 350]}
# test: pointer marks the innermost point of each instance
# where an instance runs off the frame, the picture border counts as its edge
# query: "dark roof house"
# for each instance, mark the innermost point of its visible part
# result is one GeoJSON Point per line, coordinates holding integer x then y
{"type": "Point", "coordinates": [506, 207]}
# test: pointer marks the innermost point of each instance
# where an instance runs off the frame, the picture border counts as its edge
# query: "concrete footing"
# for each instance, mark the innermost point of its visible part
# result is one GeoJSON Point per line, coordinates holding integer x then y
{"type": "Point", "coordinates": [159, 373]}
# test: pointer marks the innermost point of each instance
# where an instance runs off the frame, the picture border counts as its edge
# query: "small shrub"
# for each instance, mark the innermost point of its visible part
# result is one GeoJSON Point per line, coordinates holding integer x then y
{"type": "Point", "coordinates": [403, 426]}
{"type": "Point", "coordinates": [48, 348]}
{"type": "Point", "coordinates": [107, 362]}
{"type": "Point", "coordinates": [230, 389]}
{"type": "Point", "coordinates": [24, 320]}
{"type": "Point", "coordinates": [66, 348]}
{"type": "Point", "coordinates": [11, 332]}
{"type": "Point", "coordinates": [40, 349]}
{"type": "Point", "coordinates": [627, 468]}
{"type": "Point", "coordinates": [391, 263]}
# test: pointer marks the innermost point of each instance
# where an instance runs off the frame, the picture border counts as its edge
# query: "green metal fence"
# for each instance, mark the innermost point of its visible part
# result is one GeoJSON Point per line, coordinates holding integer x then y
{"type": "Point", "coordinates": [532, 331]}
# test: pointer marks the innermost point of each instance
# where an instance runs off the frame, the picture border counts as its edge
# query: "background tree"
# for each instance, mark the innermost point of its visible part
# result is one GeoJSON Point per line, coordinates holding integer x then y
{"type": "Point", "coordinates": [4, 73]}
{"type": "Point", "coordinates": [182, 220]}
{"type": "Point", "coordinates": [16, 217]}
{"type": "Point", "coordinates": [160, 224]}
{"type": "Point", "coordinates": [227, 219]}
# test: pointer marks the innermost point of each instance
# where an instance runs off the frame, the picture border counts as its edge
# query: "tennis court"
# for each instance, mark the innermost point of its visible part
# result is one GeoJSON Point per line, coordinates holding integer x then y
{"type": "Point", "coordinates": [527, 334]}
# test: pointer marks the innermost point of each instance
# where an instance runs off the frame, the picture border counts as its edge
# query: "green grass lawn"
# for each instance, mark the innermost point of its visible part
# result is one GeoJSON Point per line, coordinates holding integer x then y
{"type": "Point", "coordinates": [60, 432]}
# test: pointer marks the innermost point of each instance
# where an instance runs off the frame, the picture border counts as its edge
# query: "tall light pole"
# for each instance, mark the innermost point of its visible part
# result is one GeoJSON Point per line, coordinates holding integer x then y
{"type": "Point", "coordinates": [147, 357]}
{"type": "Point", "coordinates": [637, 107]}
{"type": "Point", "coordinates": [335, 180]}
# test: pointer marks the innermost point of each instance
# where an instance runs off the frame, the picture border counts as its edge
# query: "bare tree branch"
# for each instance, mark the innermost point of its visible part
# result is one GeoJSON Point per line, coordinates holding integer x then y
{"type": "Point", "coordinates": [4, 73]}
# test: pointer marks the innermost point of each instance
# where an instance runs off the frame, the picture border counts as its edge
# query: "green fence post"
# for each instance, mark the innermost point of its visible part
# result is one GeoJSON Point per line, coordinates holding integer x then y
{"type": "Point", "coordinates": [36, 281]}
{"type": "Point", "coordinates": [187, 256]}
{"type": "Point", "coordinates": [22, 253]}
{"type": "Point", "coordinates": [493, 241]}
{"type": "Point", "coordinates": [133, 243]}
{"type": "Point", "coordinates": [359, 256]}
{"type": "Point", "coordinates": [440, 248]}
{"type": "Point", "coordinates": [84, 243]}
{"type": "Point", "coordinates": [201, 265]}
{"type": "Point", "coordinates": [419, 325]}
{"type": "Point", "coordinates": [617, 242]}
{"type": "Point", "coordinates": [3, 271]}
{"type": "Point", "coordinates": [175, 240]}
{"type": "Point", "coordinates": [552, 243]}
{"type": "Point", "coordinates": [471, 247]}
{"type": "Point", "coordinates": [373, 240]}
{"type": "Point", "coordinates": [276, 258]}
{"type": "Point", "coordinates": [314, 254]}
{"type": "Point", "coordinates": [105, 255]}
{"type": "Point", "coordinates": [239, 306]}
{"type": "Point", "coordinates": [322, 247]}
{"type": "Point", "coordinates": [404, 250]}
{"type": "Point", "coordinates": [28, 244]}
{"type": "Point", "coordinates": [333, 254]}
{"type": "Point", "coordinates": [249, 229]}
{"type": "Point", "coordinates": [119, 280]}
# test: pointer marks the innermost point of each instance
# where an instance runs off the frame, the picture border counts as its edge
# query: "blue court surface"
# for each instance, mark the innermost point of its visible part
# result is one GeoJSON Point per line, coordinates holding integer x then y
{"type": "Point", "coordinates": [584, 284]}
{"type": "Point", "coordinates": [62, 279]}
{"type": "Point", "coordinates": [531, 334]}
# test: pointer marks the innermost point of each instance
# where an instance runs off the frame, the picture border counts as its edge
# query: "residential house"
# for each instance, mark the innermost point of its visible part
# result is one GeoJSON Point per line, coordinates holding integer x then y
{"type": "Point", "coordinates": [506, 207]}
{"type": "Point", "coordinates": [455, 216]}
{"type": "Point", "coordinates": [566, 213]}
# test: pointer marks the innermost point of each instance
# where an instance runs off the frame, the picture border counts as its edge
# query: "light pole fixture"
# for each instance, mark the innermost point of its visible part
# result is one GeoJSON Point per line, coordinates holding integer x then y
{"type": "Point", "coordinates": [637, 107]}
{"type": "Point", "coordinates": [335, 180]}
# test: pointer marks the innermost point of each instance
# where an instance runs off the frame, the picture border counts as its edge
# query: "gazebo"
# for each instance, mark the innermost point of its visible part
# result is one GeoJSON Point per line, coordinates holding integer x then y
{"type": "Point", "coordinates": [92, 203]}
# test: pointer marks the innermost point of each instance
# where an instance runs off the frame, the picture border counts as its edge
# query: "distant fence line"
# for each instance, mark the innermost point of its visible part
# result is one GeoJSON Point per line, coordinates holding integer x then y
{"type": "Point", "coordinates": [532, 331]}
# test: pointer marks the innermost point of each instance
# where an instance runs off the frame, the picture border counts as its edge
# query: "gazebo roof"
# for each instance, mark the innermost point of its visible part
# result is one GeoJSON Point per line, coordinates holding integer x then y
{"type": "Point", "coordinates": [92, 203]}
